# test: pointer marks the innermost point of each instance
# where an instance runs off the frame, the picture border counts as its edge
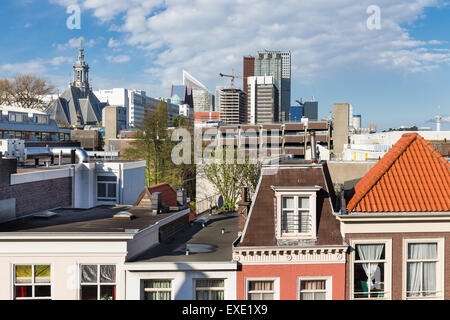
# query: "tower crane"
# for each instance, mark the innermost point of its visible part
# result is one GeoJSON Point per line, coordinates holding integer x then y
{"type": "Point", "coordinates": [232, 76]}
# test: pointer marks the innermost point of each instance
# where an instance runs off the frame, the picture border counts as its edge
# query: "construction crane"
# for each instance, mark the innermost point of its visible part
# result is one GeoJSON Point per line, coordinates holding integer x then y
{"type": "Point", "coordinates": [232, 76]}
{"type": "Point", "coordinates": [300, 102]}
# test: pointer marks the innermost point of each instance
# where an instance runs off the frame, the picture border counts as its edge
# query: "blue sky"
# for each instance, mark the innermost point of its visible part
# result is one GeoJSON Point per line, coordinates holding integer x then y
{"type": "Point", "coordinates": [396, 75]}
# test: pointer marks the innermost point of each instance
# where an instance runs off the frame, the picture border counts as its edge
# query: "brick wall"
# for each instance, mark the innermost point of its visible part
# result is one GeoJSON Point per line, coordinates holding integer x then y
{"type": "Point", "coordinates": [397, 259]}
{"type": "Point", "coordinates": [40, 195]}
{"type": "Point", "coordinates": [168, 229]}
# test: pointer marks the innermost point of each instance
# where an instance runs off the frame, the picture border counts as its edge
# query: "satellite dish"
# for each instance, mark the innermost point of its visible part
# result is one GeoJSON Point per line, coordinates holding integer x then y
{"type": "Point", "coordinates": [220, 202]}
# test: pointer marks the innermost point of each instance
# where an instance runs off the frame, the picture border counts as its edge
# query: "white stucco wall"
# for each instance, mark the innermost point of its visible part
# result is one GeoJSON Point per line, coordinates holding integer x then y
{"type": "Point", "coordinates": [64, 258]}
{"type": "Point", "coordinates": [182, 275]}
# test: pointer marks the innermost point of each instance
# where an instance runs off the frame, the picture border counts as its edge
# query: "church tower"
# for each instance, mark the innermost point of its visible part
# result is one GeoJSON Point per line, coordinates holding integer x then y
{"type": "Point", "coordinates": [81, 71]}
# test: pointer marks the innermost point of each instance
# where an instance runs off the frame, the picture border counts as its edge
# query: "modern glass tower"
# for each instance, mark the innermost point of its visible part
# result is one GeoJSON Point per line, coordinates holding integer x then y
{"type": "Point", "coordinates": [278, 65]}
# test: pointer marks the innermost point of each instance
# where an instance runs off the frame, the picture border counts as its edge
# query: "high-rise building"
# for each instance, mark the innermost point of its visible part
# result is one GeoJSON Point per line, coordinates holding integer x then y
{"type": "Point", "coordinates": [248, 71]}
{"type": "Point", "coordinates": [202, 99]}
{"type": "Point", "coordinates": [296, 113]}
{"type": "Point", "coordinates": [311, 110]}
{"type": "Point", "coordinates": [232, 105]}
{"type": "Point", "coordinates": [262, 100]}
{"type": "Point", "coordinates": [341, 125]}
{"type": "Point", "coordinates": [278, 65]}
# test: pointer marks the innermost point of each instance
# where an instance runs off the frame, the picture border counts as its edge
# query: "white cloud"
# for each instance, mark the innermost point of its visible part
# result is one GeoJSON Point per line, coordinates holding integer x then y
{"type": "Point", "coordinates": [118, 59]}
{"type": "Point", "coordinates": [113, 43]}
{"type": "Point", "coordinates": [75, 43]}
{"type": "Point", "coordinates": [36, 66]}
{"type": "Point", "coordinates": [207, 37]}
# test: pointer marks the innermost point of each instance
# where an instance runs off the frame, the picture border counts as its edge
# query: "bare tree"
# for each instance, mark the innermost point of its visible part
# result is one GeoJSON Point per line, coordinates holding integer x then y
{"type": "Point", "coordinates": [25, 91]}
{"type": "Point", "coordinates": [5, 92]}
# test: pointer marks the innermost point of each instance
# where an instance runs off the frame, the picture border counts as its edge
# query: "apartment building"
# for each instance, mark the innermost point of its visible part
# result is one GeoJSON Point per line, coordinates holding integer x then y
{"type": "Point", "coordinates": [290, 246]}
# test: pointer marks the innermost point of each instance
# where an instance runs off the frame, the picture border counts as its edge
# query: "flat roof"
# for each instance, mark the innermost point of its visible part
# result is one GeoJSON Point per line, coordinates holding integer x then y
{"type": "Point", "coordinates": [97, 219]}
{"type": "Point", "coordinates": [197, 238]}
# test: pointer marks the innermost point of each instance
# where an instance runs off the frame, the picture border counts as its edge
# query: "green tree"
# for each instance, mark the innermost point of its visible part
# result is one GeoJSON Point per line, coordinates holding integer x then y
{"type": "Point", "coordinates": [152, 143]}
{"type": "Point", "coordinates": [229, 176]}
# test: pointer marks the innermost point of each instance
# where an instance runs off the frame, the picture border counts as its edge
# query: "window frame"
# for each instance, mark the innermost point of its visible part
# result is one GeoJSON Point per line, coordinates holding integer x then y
{"type": "Point", "coordinates": [440, 266]}
{"type": "Point", "coordinates": [328, 285]}
{"type": "Point", "coordinates": [32, 284]}
{"type": "Point", "coordinates": [387, 269]}
{"type": "Point", "coordinates": [276, 285]}
{"type": "Point", "coordinates": [106, 199]}
{"type": "Point", "coordinates": [98, 283]}
{"type": "Point", "coordinates": [157, 289]}
{"type": "Point", "coordinates": [209, 289]}
{"type": "Point", "coordinates": [296, 192]}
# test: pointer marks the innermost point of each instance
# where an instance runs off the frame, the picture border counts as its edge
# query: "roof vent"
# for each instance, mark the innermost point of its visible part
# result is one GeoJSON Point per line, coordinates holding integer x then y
{"type": "Point", "coordinates": [45, 214]}
{"type": "Point", "coordinates": [123, 215]}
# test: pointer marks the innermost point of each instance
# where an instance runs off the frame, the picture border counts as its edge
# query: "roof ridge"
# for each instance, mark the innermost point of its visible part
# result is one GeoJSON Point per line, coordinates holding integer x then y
{"type": "Point", "coordinates": [380, 169]}
{"type": "Point", "coordinates": [433, 151]}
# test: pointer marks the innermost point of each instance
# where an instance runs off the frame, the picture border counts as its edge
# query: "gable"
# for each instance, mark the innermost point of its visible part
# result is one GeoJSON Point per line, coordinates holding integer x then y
{"type": "Point", "coordinates": [411, 177]}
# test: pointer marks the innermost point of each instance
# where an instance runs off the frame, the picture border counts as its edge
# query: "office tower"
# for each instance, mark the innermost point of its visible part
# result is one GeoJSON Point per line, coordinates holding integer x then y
{"type": "Point", "coordinates": [262, 100]}
{"type": "Point", "coordinates": [278, 65]}
{"type": "Point", "coordinates": [232, 105]}
{"type": "Point", "coordinates": [248, 71]}
{"type": "Point", "coordinates": [203, 100]}
{"type": "Point", "coordinates": [296, 113]}
{"type": "Point", "coordinates": [340, 126]}
{"type": "Point", "coordinates": [311, 110]}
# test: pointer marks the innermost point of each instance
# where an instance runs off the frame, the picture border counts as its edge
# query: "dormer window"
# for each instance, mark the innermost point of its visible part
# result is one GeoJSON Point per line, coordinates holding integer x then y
{"type": "Point", "coordinates": [295, 215]}
{"type": "Point", "coordinates": [295, 212]}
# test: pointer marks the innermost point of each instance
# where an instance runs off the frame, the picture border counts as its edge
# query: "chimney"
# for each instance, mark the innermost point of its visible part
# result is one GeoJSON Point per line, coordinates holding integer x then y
{"type": "Point", "coordinates": [156, 202]}
{"type": "Point", "coordinates": [243, 209]}
{"type": "Point", "coordinates": [313, 147]}
{"type": "Point", "coordinates": [181, 197]}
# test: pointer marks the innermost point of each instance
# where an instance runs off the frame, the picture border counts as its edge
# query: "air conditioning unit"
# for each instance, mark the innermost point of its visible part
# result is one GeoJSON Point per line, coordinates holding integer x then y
{"type": "Point", "coordinates": [12, 148]}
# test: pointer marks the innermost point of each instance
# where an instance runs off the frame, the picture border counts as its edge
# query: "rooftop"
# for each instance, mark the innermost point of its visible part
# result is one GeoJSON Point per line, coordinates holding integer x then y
{"type": "Point", "coordinates": [411, 177]}
{"type": "Point", "coordinates": [206, 244]}
{"type": "Point", "coordinates": [98, 219]}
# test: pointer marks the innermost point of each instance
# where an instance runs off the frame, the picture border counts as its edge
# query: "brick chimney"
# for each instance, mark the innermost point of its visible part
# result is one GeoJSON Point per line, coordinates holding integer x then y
{"type": "Point", "coordinates": [243, 209]}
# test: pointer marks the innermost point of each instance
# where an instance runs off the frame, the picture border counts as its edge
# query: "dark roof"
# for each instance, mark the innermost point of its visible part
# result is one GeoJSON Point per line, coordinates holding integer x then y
{"type": "Point", "coordinates": [98, 219]}
{"type": "Point", "coordinates": [174, 248]}
{"type": "Point", "coordinates": [260, 226]}
{"type": "Point", "coordinates": [75, 101]}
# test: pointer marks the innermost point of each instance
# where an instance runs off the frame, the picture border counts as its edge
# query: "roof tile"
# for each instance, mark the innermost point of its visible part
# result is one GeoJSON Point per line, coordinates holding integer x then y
{"type": "Point", "coordinates": [411, 177]}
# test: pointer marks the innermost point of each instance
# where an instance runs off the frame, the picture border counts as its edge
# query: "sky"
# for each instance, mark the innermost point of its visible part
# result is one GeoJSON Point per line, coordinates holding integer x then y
{"type": "Point", "coordinates": [389, 58]}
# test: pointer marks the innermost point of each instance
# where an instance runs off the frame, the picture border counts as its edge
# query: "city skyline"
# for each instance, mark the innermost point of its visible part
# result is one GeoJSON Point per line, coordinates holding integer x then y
{"type": "Point", "coordinates": [395, 75]}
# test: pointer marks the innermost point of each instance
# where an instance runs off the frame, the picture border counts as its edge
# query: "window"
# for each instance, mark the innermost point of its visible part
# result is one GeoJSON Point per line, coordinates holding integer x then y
{"type": "Point", "coordinates": [295, 216]}
{"type": "Point", "coordinates": [157, 289]}
{"type": "Point", "coordinates": [423, 268]}
{"type": "Point", "coordinates": [296, 212]}
{"type": "Point", "coordinates": [17, 117]}
{"type": "Point", "coordinates": [261, 290]}
{"type": "Point", "coordinates": [106, 188]}
{"type": "Point", "coordinates": [209, 289]}
{"type": "Point", "coordinates": [41, 119]}
{"type": "Point", "coordinates": [98, 282]}
{"type": "Point", "coordinates": [32, 282]}
{"type": "Point", "coordinates": [369, 270]}
{"type": "Point", "coordinates": [315, 288]}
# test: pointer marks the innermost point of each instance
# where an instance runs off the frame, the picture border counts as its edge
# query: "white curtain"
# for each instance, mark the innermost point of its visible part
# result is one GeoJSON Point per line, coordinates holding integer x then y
{"type": "Point", "coordinates": [370, 252]}
{"type": "Point", "coordinates": [421, 273]}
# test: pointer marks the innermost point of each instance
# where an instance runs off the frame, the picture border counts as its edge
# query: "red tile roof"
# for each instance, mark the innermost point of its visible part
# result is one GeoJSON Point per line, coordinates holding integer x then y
{"type": "Point", "coordinates": [411, 177]}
